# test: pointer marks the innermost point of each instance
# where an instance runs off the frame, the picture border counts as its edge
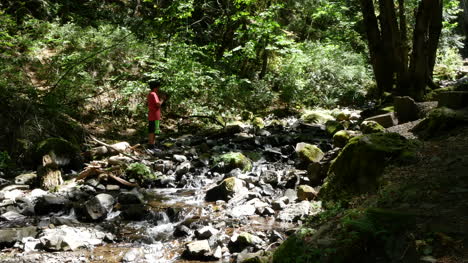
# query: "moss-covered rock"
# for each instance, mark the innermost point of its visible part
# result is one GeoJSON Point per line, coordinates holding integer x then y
{"type": "Point", "coordinates": [341, 138]}
{"type": "Point", "coordinates": [258, 123]}
{"type": "Point", "coordinates": [317, 117]}
{"type": "Point", "coordinates": [440, 120]}
{"type": "Point", "coordinates": [141, 173]}
{"type": "Point", "coordinates": [368, 127]}
{"type": "Point", "coordinates": [233, 160]}
{"type": "Point", "coordinates": [309, 153]}
{"type": "Point", "coordinates": [333, 126]}
{"type": "Point", "coordinates": [358, 167]}
{"type": "Point", "coordinates": [66, 153]}
{"type": "Point", "coordinates": [227, 189]}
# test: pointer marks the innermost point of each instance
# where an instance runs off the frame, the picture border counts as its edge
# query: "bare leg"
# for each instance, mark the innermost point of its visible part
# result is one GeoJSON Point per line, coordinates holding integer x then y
{"type": "Point", "coordinates": [151, 138]}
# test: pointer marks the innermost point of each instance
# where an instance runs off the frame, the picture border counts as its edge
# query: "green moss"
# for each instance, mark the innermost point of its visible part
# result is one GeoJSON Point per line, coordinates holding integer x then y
{"type": "Point", "coordinates": [368, 127]}
{"type": "Point", "coordinates": [258, 123]}
{"type": "Point", "coordinates": [440, 120]}
{"type": "Point", "coordinates": [341, 138]}
{"type": "Point", "coordinates": [309, 153]}
{"type": "Point", "coordinates": [317, 117]}
{"type": "Point", "coordinates": [333, 126]}
{"type": "Point", "coordinates": [234, 160]}
{"type": "Point", "coordinates": [361, 162]}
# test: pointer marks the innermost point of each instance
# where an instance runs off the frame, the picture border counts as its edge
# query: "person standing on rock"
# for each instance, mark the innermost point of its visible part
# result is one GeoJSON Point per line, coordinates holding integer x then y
{"type": "Point", "coordinates": [154, 112]}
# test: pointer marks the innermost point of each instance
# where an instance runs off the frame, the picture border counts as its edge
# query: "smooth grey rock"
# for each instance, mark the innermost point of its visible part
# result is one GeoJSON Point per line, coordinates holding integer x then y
{"type": "Point", "coordinates": [197, 250]}
{"type": "Point", "coordinates": [291, 194]}
{"type": "Point", "coordinates": [12, 216]}
{"type": "Point", "coordinates": [242, 241]}
{"type": "Point", "coordinates": [243, 210]}
{"type": "Point", "coordinates": [182, 231]}
{"type": "Point", "coordinates": [96, 208]}
{"type": "Point", "coordinates": [133, 255]}
{"type": "Point", "coordinates": [26, 179]}
{"type": "Point", "coordinates": [183, 168]}
{"type": "Point", "coordinates": [65, 238]}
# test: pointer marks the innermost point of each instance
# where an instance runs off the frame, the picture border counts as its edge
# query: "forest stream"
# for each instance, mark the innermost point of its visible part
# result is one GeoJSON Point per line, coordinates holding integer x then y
{"type": "Point", "coordinates": [185, 214]}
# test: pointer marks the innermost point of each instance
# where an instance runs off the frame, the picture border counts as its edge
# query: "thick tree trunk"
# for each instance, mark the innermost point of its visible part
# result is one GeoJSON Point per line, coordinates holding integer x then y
{"type": "Point", "coordinates": [379, 56]}
{"type": "Point", "coordinates": [425, 41]}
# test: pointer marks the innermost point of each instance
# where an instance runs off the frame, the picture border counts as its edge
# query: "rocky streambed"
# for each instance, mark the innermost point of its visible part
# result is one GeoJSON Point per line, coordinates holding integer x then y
{"type": "Point", "coordinates": [226, 195]}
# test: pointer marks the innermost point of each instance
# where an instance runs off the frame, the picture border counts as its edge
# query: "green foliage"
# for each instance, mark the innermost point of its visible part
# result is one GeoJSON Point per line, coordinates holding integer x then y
{"type": "Point", "coordinates": [323, 75]}
{"type": "Point", "coordinates": [5, 161]}
{"type": "Point", "coordinates": [141, 173]}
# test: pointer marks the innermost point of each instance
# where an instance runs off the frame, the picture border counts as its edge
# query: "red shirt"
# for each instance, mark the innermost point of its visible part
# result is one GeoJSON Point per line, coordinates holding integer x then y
{"type": "Point", "coordinates": [154, 107]}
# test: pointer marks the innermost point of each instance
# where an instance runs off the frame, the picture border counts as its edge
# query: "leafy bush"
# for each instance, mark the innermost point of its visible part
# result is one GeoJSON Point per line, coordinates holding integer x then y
{"type": "Point", "coordinates": [322, 75]}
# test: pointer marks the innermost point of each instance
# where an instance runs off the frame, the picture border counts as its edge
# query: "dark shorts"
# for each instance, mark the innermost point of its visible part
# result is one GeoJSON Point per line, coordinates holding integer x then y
{"type": "Point", "coordinates": [153, 127]}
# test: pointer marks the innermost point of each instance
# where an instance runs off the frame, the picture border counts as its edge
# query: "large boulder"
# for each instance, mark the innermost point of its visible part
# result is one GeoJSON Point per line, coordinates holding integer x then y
{"type": "Point", "coordinates": [453, 99]}
{"type": "Point", "coordinates": [406, 109]}
{"type": "Point", "coordinates": [440, 120]}
{"type": "Point", "coordinates": [368, 127]}
{"type": "Point", "coordinates": [198, 250]}
{"type": "Point", "coordinates": [96, 208]}
{"type": "Point", "coordinates": [358, 167]}
{"type": "Point", "coordinates": [226, 190]}
{"type": "Point", "coordinates": [309, 153]}
{"type": "Point", "coordinates": [233, 160]}
{"type": "Point", "coordinates": [341, 138]}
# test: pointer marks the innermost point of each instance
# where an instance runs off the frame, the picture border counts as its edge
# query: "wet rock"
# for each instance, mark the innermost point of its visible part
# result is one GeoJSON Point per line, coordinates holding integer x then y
{"type": "Point", "coordinates": [242, 241]}
{"type": "Point", "coordinates": [306, 192]}
{"type": "Point", "coordinates": [9, 236]}
{"type": "Point", "coordinates": [26, 179]}
{"type": "Point", "coordinates": [197, 250]}
{"type": "Point", "coordinates": [226, 190]}
{"type": "Point", "coordinates": [134, 212]}
{"type": "Point", "coordinates": [132, 197]}
{"type": "Point", "coordinates": [65, 238]}
{"type": "Point", "coordinates": [368, 127]}
{"type": "Point", "coordinates": [265, 211]}
{"type": "Point", "coordinates": [206, 232]}
{"type": "Point", "coordinates": [233, 160]}
{"type": "Point", "coordinates": [248, 257]}
{"type": "Point", "coordinates": [183, 168]}
{"type": "Point", "coordinates": [182, 231]}
{"type": "Point", "coordinates": [51, 204]}
{"type": "Point", "coordinates": [96, 208]}
{"type": "Point", "coordinates": [12, 216]}
{"type": "Point", "coordinates": [279, 204]}
{"type": "Point", "coordinates": [268, 190]}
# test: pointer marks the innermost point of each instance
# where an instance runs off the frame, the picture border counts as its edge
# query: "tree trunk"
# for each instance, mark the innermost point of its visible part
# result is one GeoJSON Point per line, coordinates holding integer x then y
{"type": "Point", "coordinates": [425, 41]}
{"type": "Point", "coordinates": [379, 57]}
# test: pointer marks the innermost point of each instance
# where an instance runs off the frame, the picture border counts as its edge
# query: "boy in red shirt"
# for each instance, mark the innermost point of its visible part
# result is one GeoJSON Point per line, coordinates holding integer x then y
{"type": "Point", "coordinates": [154, 111]}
